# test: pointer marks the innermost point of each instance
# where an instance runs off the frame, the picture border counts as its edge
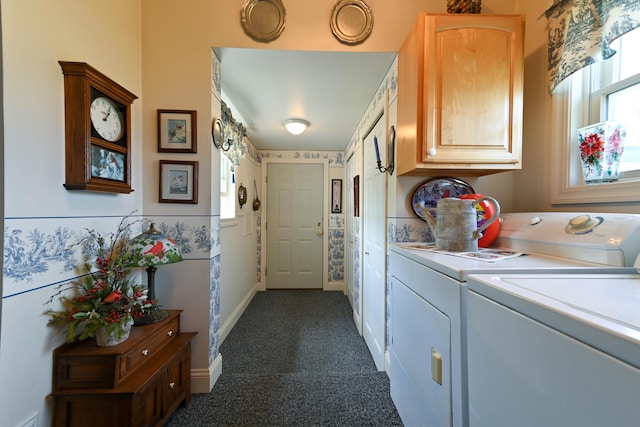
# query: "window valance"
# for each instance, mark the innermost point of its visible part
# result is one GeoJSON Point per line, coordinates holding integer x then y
{"type": "Point", "coordinates": [580, 32]}
{"type": "Point", "coordinates": [236, 132]}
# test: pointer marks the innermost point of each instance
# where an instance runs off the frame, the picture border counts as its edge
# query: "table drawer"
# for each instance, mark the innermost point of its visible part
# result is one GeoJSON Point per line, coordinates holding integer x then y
{"type": "Point", "coordinates": [149, 347]}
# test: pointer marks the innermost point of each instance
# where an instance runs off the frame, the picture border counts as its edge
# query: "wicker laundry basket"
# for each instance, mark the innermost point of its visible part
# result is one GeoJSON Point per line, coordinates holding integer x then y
{"type": "Point", "coordinates": [463, 6]}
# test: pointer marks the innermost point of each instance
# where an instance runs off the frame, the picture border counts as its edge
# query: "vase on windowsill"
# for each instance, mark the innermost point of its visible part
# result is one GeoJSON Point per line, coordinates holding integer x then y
{"type": "Point", "coordinates": [601, 146]}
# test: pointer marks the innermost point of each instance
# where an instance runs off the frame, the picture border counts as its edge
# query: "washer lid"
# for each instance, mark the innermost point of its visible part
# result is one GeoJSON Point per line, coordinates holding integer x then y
{"type": "Point", "coordinates": [600, 310]}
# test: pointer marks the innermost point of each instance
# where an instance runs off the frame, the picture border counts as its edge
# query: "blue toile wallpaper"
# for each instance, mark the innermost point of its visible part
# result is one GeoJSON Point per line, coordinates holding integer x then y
{"type": "Point", "coordinates": [40, 253]}
{"type": "Point", "coordinates": [336, 249]}
{"type": "Point", "coordinates": [30, 252]}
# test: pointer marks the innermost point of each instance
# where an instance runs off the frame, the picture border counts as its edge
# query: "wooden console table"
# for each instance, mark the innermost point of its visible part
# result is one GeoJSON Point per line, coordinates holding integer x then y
{"type": "Point", "coordinates": [139, 382]}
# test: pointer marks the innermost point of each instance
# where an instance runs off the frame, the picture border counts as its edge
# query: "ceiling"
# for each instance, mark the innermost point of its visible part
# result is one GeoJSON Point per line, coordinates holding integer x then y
{"type": "Point", "coordinates": [331, 90]}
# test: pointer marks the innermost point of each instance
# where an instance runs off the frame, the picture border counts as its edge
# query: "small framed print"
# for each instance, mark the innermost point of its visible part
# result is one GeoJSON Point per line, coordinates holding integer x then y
{"type": "Point", "coordinates": [177, 131]}
{"type": "Point", "coordinates": [336, 196]}
{"type": "Point", "coordinates": [356, 195]}
{"type": "Point", "coordinates": [178, 181]}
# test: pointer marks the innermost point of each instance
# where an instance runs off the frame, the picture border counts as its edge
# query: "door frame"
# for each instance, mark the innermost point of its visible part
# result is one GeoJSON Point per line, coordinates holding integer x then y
{"type": "Point", "coordinates": [325, 217]}
{"type": "Point", "coordinates": [349, 220]}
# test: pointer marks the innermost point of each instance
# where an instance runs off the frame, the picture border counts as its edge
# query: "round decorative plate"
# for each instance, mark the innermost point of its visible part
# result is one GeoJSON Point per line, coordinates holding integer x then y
{"type": "Point", "coordinates": [351, 21]}
{"type": "Point", "coordinates": [428, 194]}
{"type": "Point", "coordinates": [262, 20]}
{"type": "Point", "coordinates": [217, 132]}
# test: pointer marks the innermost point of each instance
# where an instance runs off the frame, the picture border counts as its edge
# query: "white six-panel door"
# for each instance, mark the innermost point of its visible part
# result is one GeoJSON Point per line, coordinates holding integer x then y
{"type": "Point", "coordinates": [374, 245]}
{"type": "Point", "coordinates": [294, 226]}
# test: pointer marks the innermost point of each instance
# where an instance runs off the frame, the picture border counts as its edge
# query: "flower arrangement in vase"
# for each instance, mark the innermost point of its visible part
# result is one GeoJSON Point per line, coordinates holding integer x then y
{"type": "Point", "coordinates": [601, 146]}
{"type": "Point", "coordinates": [104, 301]}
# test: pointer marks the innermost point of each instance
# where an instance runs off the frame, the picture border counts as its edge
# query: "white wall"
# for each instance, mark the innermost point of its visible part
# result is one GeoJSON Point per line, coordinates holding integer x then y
{"type": "Point", "coordinates": [36, 34]}
{"type": "Point", "coordinates": [239, 260]}
{"type": "Point", "coordinates": [178, 72]}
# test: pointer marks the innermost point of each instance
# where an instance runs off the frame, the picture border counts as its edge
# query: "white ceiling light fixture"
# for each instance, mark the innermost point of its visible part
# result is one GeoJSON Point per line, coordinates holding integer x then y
{"type": "Point", "coordinates": [295, 126]}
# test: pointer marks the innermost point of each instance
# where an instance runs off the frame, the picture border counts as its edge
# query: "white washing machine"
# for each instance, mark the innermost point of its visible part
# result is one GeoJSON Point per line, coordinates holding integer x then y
{"type": "Point", "coordinates": [429, 321]}
{"type": "Point", "coordinates": [554, 350]}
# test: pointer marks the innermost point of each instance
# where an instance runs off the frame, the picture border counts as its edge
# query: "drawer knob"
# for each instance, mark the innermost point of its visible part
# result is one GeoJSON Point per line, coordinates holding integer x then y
{"type": "Point", "coordinates": [145, 352]}
{"type": "Point", "coordinates": [172, 385]}
{"type": "Point", "coordinates": [170, 333]}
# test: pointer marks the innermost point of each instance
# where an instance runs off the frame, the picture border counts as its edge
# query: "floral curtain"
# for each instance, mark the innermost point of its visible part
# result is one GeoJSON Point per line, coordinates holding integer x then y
{"type": "Point", "coordinates": [234, 131]}
{"type": "Point", "coordinates": [580, 32]}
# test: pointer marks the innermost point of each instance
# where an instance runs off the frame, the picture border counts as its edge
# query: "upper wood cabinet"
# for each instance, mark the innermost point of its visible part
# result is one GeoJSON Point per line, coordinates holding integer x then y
{"type": "Point", "coordinates": [460, 83]}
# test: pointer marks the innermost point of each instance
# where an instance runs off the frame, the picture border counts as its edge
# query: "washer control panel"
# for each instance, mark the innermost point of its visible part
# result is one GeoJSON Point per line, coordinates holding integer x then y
{"type": "Point", "coordinates": [605, 238]}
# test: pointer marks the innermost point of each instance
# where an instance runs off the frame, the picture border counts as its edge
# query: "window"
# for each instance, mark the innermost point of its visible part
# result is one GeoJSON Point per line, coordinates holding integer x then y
{"type": "Point", "coordinates": [606, 90]}
{"type": "Point", "coordinates": [227, 189]}
{"type": "Point", "coordinates": [614, 91]}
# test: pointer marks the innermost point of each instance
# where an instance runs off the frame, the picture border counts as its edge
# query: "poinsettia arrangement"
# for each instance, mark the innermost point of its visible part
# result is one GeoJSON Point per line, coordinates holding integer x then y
{"type": "Point", "coordinates": [105, 296]}
{"type": "Point", "coordinates": [601, 148]}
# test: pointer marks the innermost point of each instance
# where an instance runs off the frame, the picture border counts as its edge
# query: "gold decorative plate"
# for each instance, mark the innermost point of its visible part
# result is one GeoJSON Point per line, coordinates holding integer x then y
{"type": "Point", "coordinates": [262, 20]}
{"type": "Point", "coordinates": [351, 21]}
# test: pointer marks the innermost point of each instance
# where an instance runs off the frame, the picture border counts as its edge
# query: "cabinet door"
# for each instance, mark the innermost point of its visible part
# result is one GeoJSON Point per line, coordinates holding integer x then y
{"type": "Point", "coordinates": [473, 73]}
{"type": "Point", "coordinates": [177, 382]}
{"type": "Point", "coordinates": [420, 383]}
{"type": "Point", "coordinates": [148, 406]}
{"type": "Point", "coordinates": [460, 84]}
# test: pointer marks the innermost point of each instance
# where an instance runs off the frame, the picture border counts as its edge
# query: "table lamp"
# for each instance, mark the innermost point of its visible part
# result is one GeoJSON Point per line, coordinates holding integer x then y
{"type": "Point", "coordinates": [155, 249]}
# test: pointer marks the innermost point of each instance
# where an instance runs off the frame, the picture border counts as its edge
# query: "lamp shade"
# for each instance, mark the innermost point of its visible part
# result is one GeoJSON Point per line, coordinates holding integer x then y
{"type": "Point", "coordinates": [149, 249]}
{"type": "Point", "coordinates": [154, 248]}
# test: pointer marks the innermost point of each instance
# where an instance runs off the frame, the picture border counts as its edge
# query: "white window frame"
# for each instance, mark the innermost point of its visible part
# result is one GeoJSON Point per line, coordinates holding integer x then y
{"type": "Point", "coordinates": [570, 111]}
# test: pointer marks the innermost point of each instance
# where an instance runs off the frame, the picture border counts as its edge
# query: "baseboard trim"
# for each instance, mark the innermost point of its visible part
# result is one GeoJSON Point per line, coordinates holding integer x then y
{"type": "Point", "coordinates": [233, 319]}
{"type": "Point", "coordinates": [356, 319]}
{"type": "Point", "coordinates": [335, 286]}
{"type": "Point", "coordinates": [203, 380]}
{"type": "Point", "coordinates": [387, 362]}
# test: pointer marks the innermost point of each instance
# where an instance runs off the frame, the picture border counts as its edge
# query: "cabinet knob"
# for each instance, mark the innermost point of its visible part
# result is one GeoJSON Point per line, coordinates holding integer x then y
{"type": "Point", "coordinates": [170, 333]}
{"type": "Point", "coordinates": [145, 352]}
{"type": "Point", "coordinates": [172, 385]}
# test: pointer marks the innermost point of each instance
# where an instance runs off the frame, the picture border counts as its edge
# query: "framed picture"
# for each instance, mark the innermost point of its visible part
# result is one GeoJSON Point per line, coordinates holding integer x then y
{"type": "Point", "coordinates": [178, 181]}
{"type": "Point", "coordinates": [336, 196]}
{"type": "Point", "coordinates": [356, 195]}
{"type": "Point", "coordinates": [177, 131]}
{"type": "Point", "coordinates": [108, 164]}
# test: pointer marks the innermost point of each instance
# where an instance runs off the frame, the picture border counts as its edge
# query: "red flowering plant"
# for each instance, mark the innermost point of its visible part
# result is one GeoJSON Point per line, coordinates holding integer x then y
{"type": "Point", "coordinates": [104, 296]}
{"type": "Point", "coordinates": [591, 150]}
{"type": "Point", "coordinates": [601, 148]}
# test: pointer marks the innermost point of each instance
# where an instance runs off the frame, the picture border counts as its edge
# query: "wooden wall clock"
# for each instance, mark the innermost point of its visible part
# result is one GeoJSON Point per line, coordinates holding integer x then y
{"type": "Point", "coordinates": [97, 130]}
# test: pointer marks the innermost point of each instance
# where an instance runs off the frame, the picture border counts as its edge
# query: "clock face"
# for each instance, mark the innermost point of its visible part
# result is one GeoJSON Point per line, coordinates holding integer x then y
{"type": "Point", "coordinates": [106, 119]}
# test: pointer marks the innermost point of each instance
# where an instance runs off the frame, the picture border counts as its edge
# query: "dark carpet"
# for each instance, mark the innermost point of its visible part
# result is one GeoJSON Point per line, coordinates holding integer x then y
{"type": "Point", "coordinates": [294, 358]}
